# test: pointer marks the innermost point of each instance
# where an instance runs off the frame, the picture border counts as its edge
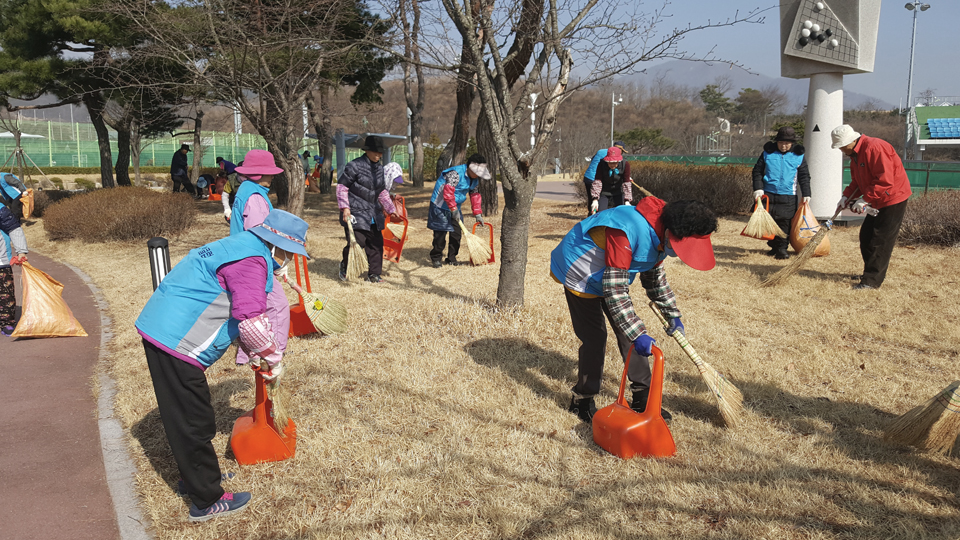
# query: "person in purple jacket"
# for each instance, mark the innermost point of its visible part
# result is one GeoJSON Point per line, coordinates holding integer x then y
{"type": "Point", "coordinates": [216, 294]}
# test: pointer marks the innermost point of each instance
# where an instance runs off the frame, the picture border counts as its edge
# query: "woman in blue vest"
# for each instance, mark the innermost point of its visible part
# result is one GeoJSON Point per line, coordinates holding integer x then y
{"type": "Point", "coordinates": [11, 193]}
{"type": "Point", "coordinates": [13, 251]}
{"type": "Point", "coordinates": [450, 192]}
{"type": "Point", "coordinates": [598, 260]}
{"type": "Point", "coordinates": [779, 169]}
{"type": "Point", "coordinates": [216, 294]}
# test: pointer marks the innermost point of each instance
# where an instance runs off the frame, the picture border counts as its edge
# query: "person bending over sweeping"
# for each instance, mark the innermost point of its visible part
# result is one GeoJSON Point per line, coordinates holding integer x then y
{"type": "Point", "coordinates": [591, 174]}
{"type": "Point", "coordinates": [363, 197]}
{"type": "Point", "coordinates": [12, 240]}
{"type": "Point", "coordinates": [449, 193]}
{"type": "Point", "coordinates": [611, 186]}
{"type": "Point", "coordinates": [252, 206]}
{"type": "Point", "coordinates": [779, 169]}
{"type": "Point", "coordinates": [598, 260]}
{"type": "Point", "coordinates": [877, 180]}
{"type": "Point", "coordinates": [216, 294]}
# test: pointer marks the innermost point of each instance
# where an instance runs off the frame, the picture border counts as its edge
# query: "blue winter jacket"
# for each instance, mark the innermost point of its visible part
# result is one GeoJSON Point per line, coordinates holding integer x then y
{"type": "Point", "coordinates": [779, 173]}
{"type": "Point", "coordinates": [440, 218]}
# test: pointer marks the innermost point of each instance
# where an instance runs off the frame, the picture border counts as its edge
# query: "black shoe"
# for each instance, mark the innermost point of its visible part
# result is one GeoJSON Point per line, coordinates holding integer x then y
{"type": "Point", "coordinates": [451, 262]}
{"type": "Point", "coordinates": [863, 287]}
{"type": "Point", "coordinates": [584, 408]}
{"type": "Point", "coordinates": [374, 278]}
{"type": "Point", "coordinates": [781, 255]}
{"type": "Point", "coordinates": [436, 264]}
{"type": "Point", "coordinates": [639, 404]}
{"type": "Point", "coordinates": [343, 271]}
{"type": "Point", "coordinates": [771, 253]}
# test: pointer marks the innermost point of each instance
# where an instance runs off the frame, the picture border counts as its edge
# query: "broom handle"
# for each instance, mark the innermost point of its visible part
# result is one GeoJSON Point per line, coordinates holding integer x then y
{"type": "Point", "coordinates": [681, 340]}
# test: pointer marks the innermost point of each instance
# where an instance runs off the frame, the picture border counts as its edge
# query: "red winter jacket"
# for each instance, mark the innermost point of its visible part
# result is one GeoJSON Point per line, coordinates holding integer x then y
{"type": "Point", "coordinates": [877, 173]}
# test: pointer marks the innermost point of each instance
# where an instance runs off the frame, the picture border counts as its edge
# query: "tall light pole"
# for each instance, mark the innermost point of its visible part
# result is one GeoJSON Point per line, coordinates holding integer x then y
{"type": "Point", "coordinates": [533, 120]}
{"type": "Point", "coordinates": [914, 7]}
{"type": "Point", "coordinates": [560, 148]}
{"type": "Point", "coordinates": [613, 103]}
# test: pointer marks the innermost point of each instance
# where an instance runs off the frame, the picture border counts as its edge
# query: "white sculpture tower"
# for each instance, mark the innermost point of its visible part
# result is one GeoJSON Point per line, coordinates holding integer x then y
{"type": "Point", "coordinates": [822, 40]}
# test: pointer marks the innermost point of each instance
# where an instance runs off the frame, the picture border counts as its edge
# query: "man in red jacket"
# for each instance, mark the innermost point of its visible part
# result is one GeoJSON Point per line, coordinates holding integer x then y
{"type": "Point", "coordinates": [877, 181]}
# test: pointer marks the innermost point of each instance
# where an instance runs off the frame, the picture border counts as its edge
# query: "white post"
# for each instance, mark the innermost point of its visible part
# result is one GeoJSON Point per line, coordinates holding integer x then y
{"type": "Point", "coordinates": [913, 41]}
{"type": "Point", "coordinates": [237, 126]}
{"type": "Point", "coordinates": [824, 112]}
{"type": "Point", "coordinates": [409, 137]}
{"type": "Point", "coordinates": [613, 105]}
{"type": "Point", "coordinates": [533, 120]}
{"type": "Point", "coordinates": [306, 122]}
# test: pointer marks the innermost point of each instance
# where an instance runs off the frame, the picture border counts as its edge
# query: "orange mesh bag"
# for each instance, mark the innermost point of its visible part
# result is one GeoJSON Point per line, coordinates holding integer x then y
{"type": "Point", "coordinates": [802, 228]}
{"type": "Point", "coordinates": [45, 314]}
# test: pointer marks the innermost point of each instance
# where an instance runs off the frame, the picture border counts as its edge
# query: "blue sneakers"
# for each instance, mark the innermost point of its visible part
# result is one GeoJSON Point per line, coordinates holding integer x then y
{"type": "Point", "coordinates": [6, 330]}
{"type": "Point", "coordinates": [228, 504]}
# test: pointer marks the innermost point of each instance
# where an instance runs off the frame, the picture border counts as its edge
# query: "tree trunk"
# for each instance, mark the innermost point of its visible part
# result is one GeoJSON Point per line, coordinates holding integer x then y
{"type": "Point", "coordinates": [485, 145]}
{"type": "Point", "coordinates": [123, 155]}
{"type": "Point", "coordinates": [514, 230]}
{"type": "Point", "coordinates": [95, 103]}
{"type": "Point", "coordinates": [135, 150]}
{"type": "Point", "coordinates": [456, 150]}
{"type": "Point", "coordinates": [197, 148]}
{"type": "Point", "coordinates": [321, 125]}
{"type": "Point", "coordinates": [411, 43]}
{"type": "Point", "coordinates": [290, 189]}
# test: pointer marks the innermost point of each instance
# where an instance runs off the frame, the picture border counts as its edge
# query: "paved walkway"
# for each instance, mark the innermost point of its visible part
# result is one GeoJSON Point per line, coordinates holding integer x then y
{"type": "Point", "coordinates": [53, 483]}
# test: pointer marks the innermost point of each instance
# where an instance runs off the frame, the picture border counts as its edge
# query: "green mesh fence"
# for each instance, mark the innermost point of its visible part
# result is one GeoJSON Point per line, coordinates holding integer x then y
{"type": "Point", "coordinates": [64, 144]}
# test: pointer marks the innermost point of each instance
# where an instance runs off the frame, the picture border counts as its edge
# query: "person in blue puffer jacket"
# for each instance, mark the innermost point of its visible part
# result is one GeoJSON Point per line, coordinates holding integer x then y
{"type": "Point", "coordinates": [216, 294]}
{"type": "Point", "coordinates": [779, 170]}
{"type": "Point", "coordinates": [449, 194]}
{"type": "Point", "coordinates": [13, 251]}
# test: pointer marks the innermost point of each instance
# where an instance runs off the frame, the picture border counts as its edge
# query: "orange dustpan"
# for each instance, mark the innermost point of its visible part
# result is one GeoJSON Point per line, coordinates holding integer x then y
{"type": "Point", "coordinates": [493, 256]}
{"type": "Point", "coordinates": [300, 324]}
{"type": "Point", "coordinates": [255, 439]}
{"type": "Point", "coordinates": [620, 430]}
{"type": "Point", "coordinates": [393, 246]}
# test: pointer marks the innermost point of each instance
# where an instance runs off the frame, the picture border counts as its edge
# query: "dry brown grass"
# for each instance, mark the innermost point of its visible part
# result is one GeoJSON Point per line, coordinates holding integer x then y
{"type": "Point", "coordinates": [437, 417]}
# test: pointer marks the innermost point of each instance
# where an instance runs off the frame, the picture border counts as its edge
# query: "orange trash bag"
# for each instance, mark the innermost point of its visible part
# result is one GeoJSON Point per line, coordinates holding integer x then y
{"type": "Point", "coordinates": [28, 203]}
{"type": "Point", "coordinates": [45, 314]}
{"type": "Point", "coordinates": [803, 227]}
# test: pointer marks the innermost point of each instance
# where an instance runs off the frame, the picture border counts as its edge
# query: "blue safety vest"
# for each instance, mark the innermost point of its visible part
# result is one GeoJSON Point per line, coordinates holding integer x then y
{"type": "Point", "coordinates": [8, 192]}
{"type": "Point", "coordinates": [591, 173]}
{"type": "Point", "coordinates": [780, 172]}
{"type": "Point", "coordinates": [247, 189]}
{"type": "Point", "coordinates": [189, 313]}
{"type": "Point", "coordinates": [578, 262]}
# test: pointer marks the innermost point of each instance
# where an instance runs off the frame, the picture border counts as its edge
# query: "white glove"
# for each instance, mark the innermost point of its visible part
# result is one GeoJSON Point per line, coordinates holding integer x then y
{"type": "Point", "coordinates": [227, 215]}
{"type": "Point", "coordinates": [842, 203]}
{"type": "Point", "coordinates": [627, 203]}
{"type": "Point", "coordinates": [594, 206]}
{"type": "Point", "coordinates": [860, 206]}
{"type": "Point", "coordinates": [806, 200]}
{"type": "Point", "coordinates": [273, 374]}
{"type": "Point", "coordinates": [757, 194]}
{"type": "Point", "coordinates": [283, 273]}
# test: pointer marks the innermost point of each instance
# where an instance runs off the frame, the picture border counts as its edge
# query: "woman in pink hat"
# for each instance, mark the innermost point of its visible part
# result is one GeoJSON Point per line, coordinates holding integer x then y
{"type": "Point", "coordinates": [611, 187]}
{"type": "Point", "coordinates": [250, 207]}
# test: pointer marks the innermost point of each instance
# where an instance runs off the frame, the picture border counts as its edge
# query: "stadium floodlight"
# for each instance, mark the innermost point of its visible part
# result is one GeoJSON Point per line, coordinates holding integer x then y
{"type": "Point", "coordinates": [912, 6]}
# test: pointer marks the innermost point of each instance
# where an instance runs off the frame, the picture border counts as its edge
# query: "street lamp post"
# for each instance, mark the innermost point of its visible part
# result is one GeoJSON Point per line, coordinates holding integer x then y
{"type": "Point", "coordinates": [915, 7]}
{"type": "Point", "coordinates": [533, 120]}
{"type": "Point", "coordinates": [613, 103]}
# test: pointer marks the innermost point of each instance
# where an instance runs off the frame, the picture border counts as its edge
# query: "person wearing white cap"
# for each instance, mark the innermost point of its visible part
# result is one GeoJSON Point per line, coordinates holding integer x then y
{"type": "Point", "coordinates": [877, 180]}
{"type": "Point", "coordinates": [451, 191]}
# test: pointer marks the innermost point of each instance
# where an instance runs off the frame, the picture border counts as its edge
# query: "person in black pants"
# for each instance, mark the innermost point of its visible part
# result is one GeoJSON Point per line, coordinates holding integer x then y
{"type": "Point", "coordinates": [178, 171]}
{"type": "Point", "coordinates": [779, 170]}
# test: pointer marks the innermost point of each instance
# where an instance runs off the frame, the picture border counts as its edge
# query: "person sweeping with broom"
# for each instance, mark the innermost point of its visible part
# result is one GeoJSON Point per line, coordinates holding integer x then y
{"type": "Point", "coordinates": [451, 191]}
{"type": "Point", "coordinates": [779, 170]}
{"type": "Point", "coordinates": [598, 260]}
{"type": "Point", "coordinates": [878, 181]}
{"type": "Point", "coordinates": [216, 294]}
{"type": "Point", "coordinates": [362, 196]}
{"type": "Point", "coordinates": [13, 252]}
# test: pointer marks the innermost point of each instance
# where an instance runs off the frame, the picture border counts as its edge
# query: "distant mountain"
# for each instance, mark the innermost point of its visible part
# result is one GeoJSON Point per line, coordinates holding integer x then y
{"type": "Point", "coordinates": [698, 74]}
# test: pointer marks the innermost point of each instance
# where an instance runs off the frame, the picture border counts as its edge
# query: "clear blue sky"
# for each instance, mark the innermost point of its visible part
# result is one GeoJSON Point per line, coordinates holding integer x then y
{"type": "Point", "coordinates": [937, 62]}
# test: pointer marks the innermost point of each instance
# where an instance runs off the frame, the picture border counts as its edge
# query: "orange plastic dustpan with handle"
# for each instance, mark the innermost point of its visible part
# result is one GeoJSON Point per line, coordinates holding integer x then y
{"type": "Point", "coordinates": [493, 256]}
{"type": "Point", "coordinates": [620, 430]}
{"type": "Point", "coordinates": [300, 324]}
{"type": "Point", "coordinates": [393, 246]}
{"type": "Point", "coordinates": [255, 439]}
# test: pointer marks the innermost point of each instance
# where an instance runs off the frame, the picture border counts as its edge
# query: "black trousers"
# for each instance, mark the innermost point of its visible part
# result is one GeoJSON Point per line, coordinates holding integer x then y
{"type": "Point", "coordinates": [782, 210]}
{"type": "Point", "coordinates": [372, 243]}
{"type": "Point", "coordinates": [587, 315]}
{"type": "Point", "coordinates": [183, 399]}
{"type": "Point", "coordinates": [187, 186]}
{"type": "Point", "coordinates": [440, 242]}
{"type": "Point", "coordinates": [878, 235]}
{"type": "Point", "coordinates": [609, 199]}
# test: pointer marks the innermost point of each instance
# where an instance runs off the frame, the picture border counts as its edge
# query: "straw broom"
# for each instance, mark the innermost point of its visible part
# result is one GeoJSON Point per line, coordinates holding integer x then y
{"type": "Point", "coordinates": [933, 426]}
{"type": "Point", "coordinates": [277, 396]}
{"type": "Point", "coordinates": [805, 254]}
{"type": "Point", "coordinates": [397, 229]}
{"type": "Point", "coordinates": [357, 264]}
{"type": "Point", "coordinates": [479, 250]}
{"type": "Point", "coordinates": [762, 225]}
{"type": "Point", "coordinates": [729, 399]}
{"type": "Point", "coordinates": [328, 316]}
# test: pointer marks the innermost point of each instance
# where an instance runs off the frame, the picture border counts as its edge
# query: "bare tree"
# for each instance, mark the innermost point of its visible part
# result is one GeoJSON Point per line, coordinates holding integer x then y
{"type": "Point", "coordinates": [411, 54]}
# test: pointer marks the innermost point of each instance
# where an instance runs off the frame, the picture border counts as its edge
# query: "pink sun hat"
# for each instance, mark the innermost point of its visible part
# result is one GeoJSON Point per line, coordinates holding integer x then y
{"type": "Point", "coordinates": [258, 162]}
{"type": "Point", "coordinates": [614, 154]}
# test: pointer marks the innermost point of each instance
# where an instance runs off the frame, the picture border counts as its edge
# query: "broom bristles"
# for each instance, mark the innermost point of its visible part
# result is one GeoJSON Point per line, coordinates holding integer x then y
{"type": "Point", "coordinates": [331, 318]}
{"type": "Point", "coordinates": [357, 264]}
{"type": "Point", "coordinates": [933, 426]}
{"type": "Point", "coordinates": [278, 409]}
{"type": "Point", "coordinates": [790, 269]}
{"type": "Point", "coordinates": [479, 250]}
{"type": "Point", "coordinates": [762, 224]}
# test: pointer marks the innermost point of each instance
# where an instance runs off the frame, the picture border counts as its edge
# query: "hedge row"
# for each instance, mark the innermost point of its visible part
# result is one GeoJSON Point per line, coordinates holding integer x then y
{"type": "Point", "coordinates": [932, 219]}
{"type": "Point", "coordinates": [119, 214]}
{"type": "Point", "coordinates": [49, 171]}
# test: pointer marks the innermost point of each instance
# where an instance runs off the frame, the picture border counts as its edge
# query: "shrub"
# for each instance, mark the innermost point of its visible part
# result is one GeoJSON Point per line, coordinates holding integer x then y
{"type": "Point", "coordinates": [57, 182]}
{"type": "Point", "coordinates": [85, 184]}
{"type": "Point", "coordinates": [96, 170]}
{"type": "Point", "coordinates": [44, 199]}
{"type": "Point", "coordinates": [932, 219]}
{"type": "Point", "coordinates": [727, 189]}
{"type": "Point", "coordinates": [123, 214]}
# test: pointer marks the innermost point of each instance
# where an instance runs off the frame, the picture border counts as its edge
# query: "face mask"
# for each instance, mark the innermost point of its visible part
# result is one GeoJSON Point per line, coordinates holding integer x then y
{"type": "Point", "coordinates": [273, 253]}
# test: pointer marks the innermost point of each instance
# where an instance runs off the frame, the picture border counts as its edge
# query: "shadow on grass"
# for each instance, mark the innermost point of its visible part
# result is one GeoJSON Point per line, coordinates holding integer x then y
{"type": "Point", "coordinates": [566, 215]}
{"type": "Point", "coordinates": [150, 434]}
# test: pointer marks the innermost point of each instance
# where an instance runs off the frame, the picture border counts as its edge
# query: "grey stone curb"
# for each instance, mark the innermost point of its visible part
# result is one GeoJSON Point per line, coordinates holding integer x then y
{"type": "Point", "coordinates": [116, 457]}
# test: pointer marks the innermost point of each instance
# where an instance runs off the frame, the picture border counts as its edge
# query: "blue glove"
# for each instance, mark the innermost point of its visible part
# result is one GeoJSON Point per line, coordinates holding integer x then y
{"type": "Point", "coordinates": [675, 325]}
{"type": "Point", "coordinates": [644, 345]}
